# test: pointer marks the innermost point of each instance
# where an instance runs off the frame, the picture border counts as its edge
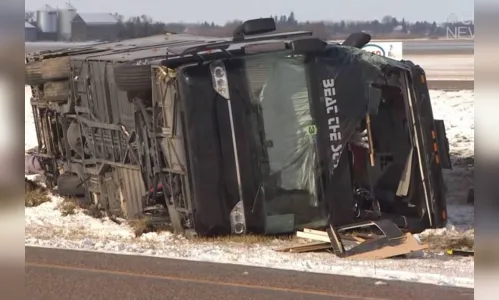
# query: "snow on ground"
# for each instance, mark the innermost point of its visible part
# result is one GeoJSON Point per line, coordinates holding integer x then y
{"type": "Point", "coordinates": [46, 227]}
{"type": "Point", "coordinates": [457, 110]}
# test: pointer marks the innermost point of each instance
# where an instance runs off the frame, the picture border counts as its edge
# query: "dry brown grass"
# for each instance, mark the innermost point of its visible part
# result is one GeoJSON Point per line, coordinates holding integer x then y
{"type": "Point", "coordinates": [93, 211]}
{"type": "Point", "coordinates": [68, 206]}
{"type": "Point", "coordinates": [35, 197]}
{"type": "Point", "coordinates": [34, 194]}
{"type": "Point", "coordinates": [247, 239]}
{"type": "Point", "coordinates": [141, 225]}
{"type": "Point", "coordinates": [464, 241]}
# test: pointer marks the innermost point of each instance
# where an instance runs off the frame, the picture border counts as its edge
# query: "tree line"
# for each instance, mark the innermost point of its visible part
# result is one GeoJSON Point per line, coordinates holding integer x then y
{"type": "Point", "coordinates": [387, 27]}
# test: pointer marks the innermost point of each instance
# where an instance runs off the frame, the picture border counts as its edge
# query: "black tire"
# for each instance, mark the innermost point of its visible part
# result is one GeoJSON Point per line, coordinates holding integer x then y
{"type": "Point", "coordinates": [52, 69]}
{"type": "Point", "coordinates": [70, 185]}
{"type": "Point", "coordinates": [57, 92]}
{"type": "Point", "coordinates": [133, 78]}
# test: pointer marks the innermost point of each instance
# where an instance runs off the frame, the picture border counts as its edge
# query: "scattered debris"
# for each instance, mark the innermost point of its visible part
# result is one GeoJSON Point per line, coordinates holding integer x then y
{"type": "Point", "coordinates": [457, 252]}
{"type": "Point", "coordinates": [372, 246]}
{"type": "Point", "coordinates": [406, 245]}
{"type": "Point", "coordinates": [308, 247]}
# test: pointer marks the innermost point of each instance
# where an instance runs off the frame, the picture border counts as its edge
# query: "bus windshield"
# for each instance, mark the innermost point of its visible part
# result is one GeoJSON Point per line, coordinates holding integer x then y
{"type": "Point", "coordinates": [279, 91]}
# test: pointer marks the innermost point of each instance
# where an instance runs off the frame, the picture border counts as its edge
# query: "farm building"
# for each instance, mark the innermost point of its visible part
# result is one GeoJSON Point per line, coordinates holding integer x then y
{"type": "Point", "coordinates": [30, 32]}
{"type": "Point", "coordinates": [94, 26]}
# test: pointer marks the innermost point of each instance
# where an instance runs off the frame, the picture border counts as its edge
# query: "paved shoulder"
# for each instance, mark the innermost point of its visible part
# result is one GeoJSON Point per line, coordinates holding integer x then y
{"type": "Point", "coordinates": [65, 274]}
{"type": "Point", "coordinates": [451, 85]}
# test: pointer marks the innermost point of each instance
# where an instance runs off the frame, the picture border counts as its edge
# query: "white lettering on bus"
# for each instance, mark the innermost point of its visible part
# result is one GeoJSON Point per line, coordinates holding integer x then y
{"type": "Point", "coordinates": [333, 121]}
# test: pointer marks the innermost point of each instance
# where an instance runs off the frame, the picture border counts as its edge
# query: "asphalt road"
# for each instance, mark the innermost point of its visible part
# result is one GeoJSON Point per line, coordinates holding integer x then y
{"type": "Point", "coordinates": [64, 274]}
{"type": "Point", "coordinates": [451, 85]}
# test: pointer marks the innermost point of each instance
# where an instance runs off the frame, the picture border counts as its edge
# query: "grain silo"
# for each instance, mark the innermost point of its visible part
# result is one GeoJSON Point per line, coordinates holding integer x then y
{"type": "Point", "coordinates": [65, 16]}
{"type": "Point", "coordinates": [46, 20]}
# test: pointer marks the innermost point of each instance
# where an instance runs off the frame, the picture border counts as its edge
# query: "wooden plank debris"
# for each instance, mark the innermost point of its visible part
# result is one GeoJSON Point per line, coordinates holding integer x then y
{"type": "Point", "coordinates": [307, 247]}
{"type": "Point", "coordinates": [313, 231]}
{"type": "Point", "coordinates": [313, 236]}
{"type": "Point", "coordinates": [321, 242]}
{"type": "Point", "coordinates": [353, 237]}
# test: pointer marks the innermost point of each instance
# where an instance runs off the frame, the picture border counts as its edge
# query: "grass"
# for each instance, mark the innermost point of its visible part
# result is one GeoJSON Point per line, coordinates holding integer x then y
{"type": "Point", "coordinates": [248, 239]}
{"type": "Point", "coordinates": [34, 194]}
{"type": "Point", "coordinates": [141, 225]}
{"type": "Point", "coordinates": [444, 242]}
{"type": "Point", "coordinates": [35, 197]}
{"type": "Point", "coordinates": [94, 212]}
{"type": "Point", "coordinates": [69, 206]}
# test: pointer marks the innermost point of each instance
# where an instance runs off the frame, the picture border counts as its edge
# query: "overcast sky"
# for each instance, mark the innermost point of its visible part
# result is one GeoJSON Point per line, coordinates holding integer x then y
{"type": "Point", "coordinates": [220, 11]}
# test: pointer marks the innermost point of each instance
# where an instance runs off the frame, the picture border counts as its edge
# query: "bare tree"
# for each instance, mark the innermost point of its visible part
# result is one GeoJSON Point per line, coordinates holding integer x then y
{"type": "Point", "coordinates": [29, 17]}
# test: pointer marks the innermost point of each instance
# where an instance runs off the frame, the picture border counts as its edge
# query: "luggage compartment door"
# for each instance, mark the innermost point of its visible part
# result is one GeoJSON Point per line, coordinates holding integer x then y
{"type": "Point", "coordinates": [443, 145]}
{"type": "Point", "coordinates": [426, 139]}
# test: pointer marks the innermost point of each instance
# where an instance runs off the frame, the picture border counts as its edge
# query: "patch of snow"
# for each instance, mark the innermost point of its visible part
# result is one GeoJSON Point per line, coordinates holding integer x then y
{"type": "Point", "coordinates": [432, 270]}
{"type": "Point", "coordinates": [46, 219]}
{"type": "Point", "coordinates": [46, 227]}
{"type": "Point", "coordinates": [457, 109]}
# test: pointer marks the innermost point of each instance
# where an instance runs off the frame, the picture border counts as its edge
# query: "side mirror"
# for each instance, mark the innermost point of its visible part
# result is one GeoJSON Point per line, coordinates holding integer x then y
{"type": "Point", "coordinates": [357, 40]}
{"type": "Point", "coordinates": [252, 27]}
{"type": "Point", "coordinates": [308, 45]}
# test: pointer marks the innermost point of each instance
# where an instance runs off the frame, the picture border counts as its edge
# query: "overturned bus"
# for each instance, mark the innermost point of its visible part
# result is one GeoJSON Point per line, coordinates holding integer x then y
{"type": "Point", "coordinates": [262, 132]}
